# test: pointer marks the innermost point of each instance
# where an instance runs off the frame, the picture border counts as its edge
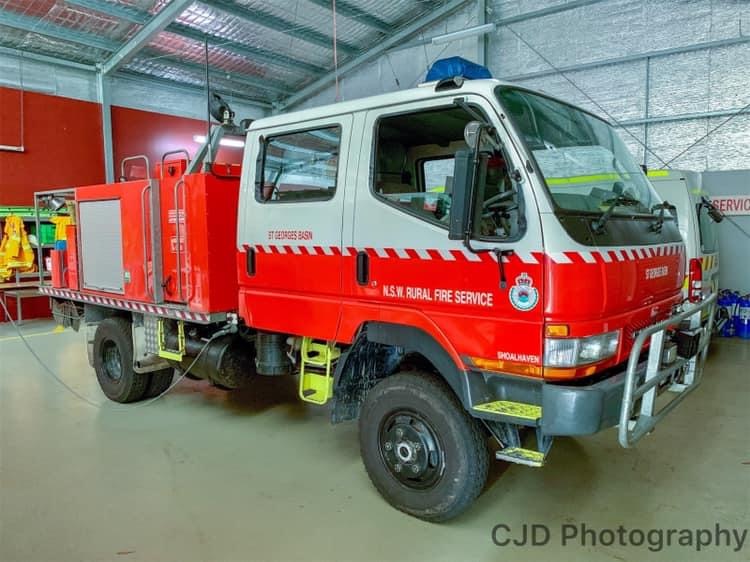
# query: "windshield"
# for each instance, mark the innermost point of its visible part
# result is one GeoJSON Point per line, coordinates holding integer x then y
{"type": "Point", "coordinates": [585, 164]}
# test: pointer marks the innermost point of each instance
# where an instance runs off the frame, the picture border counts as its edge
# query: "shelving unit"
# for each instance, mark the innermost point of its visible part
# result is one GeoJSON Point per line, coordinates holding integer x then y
{"type": "Point", "coordinates": [24, 285]}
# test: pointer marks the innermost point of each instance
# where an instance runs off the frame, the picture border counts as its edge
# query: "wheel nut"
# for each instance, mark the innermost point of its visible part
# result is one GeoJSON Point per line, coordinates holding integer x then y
{"type": "Point", "coordinates": [414, 468]}
{"type": "Point", "coordinates": [417, 447]}
{"type": "Point", "coordinates": [397, 468]}
{"type": "Point", "coordinates": [388, 445]}
{"type": "Point", "coordinates": [399, 433]}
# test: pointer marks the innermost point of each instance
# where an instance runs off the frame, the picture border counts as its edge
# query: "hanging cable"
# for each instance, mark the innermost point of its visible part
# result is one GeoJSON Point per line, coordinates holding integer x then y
{"type": "Point", "coordinates": [737, 226]}
{"type": "Point", "coordinates": [88, 401]}
{"type": "Point", "coordinates": [395, 78]}
{"type": "Point", "coordinates": [727, 120]}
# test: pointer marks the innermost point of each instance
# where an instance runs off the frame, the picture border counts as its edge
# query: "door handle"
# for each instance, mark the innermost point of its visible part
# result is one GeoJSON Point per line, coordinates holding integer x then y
{"type": "Point", "coordinates": [363, 268]}
{"type": "Point", "coordinates": [250, 261]}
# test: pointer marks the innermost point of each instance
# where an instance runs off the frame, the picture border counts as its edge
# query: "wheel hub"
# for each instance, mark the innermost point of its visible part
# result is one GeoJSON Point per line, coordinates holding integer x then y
{"type": "Point", "coordinates": [410, 450]}
{"type": "Point", "coordinates": [112, 361]}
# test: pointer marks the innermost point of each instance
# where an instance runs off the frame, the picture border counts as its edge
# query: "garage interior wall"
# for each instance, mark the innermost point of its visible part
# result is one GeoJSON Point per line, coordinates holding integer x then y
{"type": "Point", "coordinates": [62, 140]}
{"type": "Point", "coordinates": [403, 68]}
{"type": "Point", "coordinates": [658, 87]}
{"type": "Point", "coordinates": [670, 90]}
{"type": "Point", "coordinates": [62, 125]}
{"type": "Point", "coordinates": [734, 268]}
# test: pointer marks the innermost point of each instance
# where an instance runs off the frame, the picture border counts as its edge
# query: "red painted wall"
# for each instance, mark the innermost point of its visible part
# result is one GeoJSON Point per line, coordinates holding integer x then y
{"type": "Point", "coordinates": [63, 142]}
{"type": "Point", "coordinates": [143, 132]}
{"type": "Point", "coordinates": [62, 139]}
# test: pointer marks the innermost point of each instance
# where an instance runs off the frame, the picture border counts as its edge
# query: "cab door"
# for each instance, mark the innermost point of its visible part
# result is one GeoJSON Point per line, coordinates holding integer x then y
{"type": "Point", "coordinates": [403, 268]}
{"type": "Point", "coordinates": [291, 227]}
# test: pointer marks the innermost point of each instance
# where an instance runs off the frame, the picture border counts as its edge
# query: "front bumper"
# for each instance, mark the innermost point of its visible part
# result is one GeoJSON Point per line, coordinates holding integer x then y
{"type": "Point", "coordinates": [583, 409]}
{"type": "Point", "coordinates": [626, 398]}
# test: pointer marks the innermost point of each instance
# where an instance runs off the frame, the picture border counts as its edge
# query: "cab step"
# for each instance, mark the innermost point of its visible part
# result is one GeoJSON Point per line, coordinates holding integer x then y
{"type": "Point", "coordinates": [527, 412]}
{"type": "Point", "coordinates": [519, 455]}
{"type": "Point", "coordinates": [316, 372]}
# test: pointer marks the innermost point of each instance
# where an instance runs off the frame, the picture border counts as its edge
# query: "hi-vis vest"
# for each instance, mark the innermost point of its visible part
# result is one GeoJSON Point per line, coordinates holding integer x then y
{"type": "Point", "coordinates": [15, 250]}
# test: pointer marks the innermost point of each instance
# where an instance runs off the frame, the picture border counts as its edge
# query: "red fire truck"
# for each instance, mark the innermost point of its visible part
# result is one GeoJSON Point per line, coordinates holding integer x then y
{"type": "Point", "coordinates": [467, 268]}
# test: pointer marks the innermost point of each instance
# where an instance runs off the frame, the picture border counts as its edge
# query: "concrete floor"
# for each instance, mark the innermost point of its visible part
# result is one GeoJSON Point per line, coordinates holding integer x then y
{"type": "Point", "coordinates": [209, 475]}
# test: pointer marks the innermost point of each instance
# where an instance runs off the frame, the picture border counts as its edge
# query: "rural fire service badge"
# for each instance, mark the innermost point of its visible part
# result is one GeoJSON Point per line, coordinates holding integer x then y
{"type": "Point", "coordinates": [523, 295]}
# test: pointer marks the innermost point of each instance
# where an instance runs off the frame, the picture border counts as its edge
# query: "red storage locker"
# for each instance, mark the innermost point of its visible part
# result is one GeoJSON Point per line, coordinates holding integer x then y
{"type": "Point", "coordinates": [58, 266]}
{"type": "Point", "coordinates": [72, 257]}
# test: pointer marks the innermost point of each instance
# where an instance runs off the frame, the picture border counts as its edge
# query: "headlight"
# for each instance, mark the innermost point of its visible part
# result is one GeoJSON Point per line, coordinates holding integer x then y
{"type": "Point", "coordinates": [572, 352]}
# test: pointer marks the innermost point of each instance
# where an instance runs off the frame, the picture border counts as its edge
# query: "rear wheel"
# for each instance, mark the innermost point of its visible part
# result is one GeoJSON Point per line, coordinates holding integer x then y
{"type": "Point", "coordinates": [422, 451]}
{"type": "Point", "coordinates": [113, 362]}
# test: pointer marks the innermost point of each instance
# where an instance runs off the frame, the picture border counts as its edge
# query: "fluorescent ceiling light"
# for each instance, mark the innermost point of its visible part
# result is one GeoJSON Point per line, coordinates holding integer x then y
{"type": "Point", "coordinates": [234, 143]}
{"type": "Point", "coordinates": [464, 33]}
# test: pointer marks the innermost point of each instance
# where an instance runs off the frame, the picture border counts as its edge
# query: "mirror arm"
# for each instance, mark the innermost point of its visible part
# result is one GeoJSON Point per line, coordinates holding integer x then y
{"type": "Point", "coordinates": [461, 102]}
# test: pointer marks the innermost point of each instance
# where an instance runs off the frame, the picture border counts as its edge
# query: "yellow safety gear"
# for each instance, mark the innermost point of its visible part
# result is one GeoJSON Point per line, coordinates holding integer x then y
{"type": "Point", "coordinates": [15, 250]}
{"type": "Point", "coordinates": [60, 224]}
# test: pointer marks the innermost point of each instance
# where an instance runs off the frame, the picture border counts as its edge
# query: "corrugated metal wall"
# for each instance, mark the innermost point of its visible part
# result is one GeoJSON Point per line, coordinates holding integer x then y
{"type": "Point", "coordinates": [705, 80]}
{"type": "Point", "coordinates": [402, 68]}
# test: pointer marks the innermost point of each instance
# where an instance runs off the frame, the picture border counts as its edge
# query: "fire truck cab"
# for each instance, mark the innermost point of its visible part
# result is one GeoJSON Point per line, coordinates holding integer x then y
{"type": "Point", "coordinates": [463, 263]}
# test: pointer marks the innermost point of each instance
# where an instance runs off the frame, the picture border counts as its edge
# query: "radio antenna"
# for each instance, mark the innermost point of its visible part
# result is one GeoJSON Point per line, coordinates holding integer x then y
{"type": "Point", "coordinates": [210, 156]}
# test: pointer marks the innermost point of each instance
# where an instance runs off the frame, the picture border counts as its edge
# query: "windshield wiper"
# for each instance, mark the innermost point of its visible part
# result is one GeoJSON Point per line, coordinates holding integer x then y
{"type": "Point", "coordinates": [661, 207]}
{"type": "Point", "coordinates": [598, 225]}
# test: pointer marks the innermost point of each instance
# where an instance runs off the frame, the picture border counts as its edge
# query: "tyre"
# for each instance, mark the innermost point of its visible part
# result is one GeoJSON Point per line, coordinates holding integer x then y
{"type": "Point", "coordinates": [160, 381]}
{"type": "Point", "coordinates": [423, 452]}
{"type": "Point", "coordinates": [113, 362]}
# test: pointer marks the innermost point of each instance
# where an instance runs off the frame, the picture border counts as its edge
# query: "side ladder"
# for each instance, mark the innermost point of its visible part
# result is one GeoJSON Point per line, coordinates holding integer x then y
{"type": "Point", "coordinates": [316, 370]}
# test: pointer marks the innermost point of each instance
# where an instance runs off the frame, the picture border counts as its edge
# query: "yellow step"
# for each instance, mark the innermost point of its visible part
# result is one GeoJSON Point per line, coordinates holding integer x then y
{"type": "Point", "coordinates": [315, 387]}
{"type": "Point", "coordinates": [520, 410]}
{"type": "Point", "coordinates": [519, 455]}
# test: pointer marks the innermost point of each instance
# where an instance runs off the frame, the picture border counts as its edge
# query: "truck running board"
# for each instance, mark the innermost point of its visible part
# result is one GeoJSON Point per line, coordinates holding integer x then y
{"type": "Point", "coordinates": [518, 410]}
{"type": "Point", "coordinates": [519, 455]}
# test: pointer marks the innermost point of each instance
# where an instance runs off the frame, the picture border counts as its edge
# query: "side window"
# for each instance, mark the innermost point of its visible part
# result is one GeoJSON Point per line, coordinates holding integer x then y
{"type": "Point", "coordinates": [414, 158]}
{"type": "Point", "coordinates": [298, 166]}
{"type": "Point", "coordinates": [413, 164]}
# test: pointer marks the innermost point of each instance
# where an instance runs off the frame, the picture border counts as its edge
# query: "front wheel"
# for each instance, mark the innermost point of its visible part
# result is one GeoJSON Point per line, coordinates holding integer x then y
{"type": "Point", "coordinates": [426, 456]}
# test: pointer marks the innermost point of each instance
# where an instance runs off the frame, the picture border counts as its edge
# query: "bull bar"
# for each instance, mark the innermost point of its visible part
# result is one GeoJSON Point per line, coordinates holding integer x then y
{"type": "Point", "coordinates": [636, 420]}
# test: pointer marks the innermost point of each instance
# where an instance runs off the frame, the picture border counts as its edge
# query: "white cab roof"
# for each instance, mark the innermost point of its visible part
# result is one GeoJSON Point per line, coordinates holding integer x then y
{"type": "Point", "coordinates": [422, 92]}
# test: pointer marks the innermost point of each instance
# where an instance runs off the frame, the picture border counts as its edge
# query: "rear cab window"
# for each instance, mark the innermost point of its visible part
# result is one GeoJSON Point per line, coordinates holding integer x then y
{"type": "Point", "coordinates": [298, 166]}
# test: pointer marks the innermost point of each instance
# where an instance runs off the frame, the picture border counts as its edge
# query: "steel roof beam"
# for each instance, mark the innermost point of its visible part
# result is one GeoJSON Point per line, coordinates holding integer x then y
{"type": "Point", "coordinates": [38, 57]}
{"type": "Point", "coordinates": [239, 78]}
{"type": "Point", "coordinates": [243, 50]}
{"type": "Point", "coordinates": [356, 13]}
{"type": "Point", "coordinates": [428, 19]}
{"type": "Point", "coordinates": [119, 11]}
{"type": "Point", "coordinates": [171, 83]}
{"type": "Point", "coordinates": [514, 19]}
{"type": "Point", "coordinates": [140, 17]}
{"type": "Point", "coordinates": [303, 32]}
{"type": "Point", "coordinates": [633, 58]}
{"type": "Point", "coordinates": [156, 25]}
{"type": "Point", "coordinates": [35, 25]}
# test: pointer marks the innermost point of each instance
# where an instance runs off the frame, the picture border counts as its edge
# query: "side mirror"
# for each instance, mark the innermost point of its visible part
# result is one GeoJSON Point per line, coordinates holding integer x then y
{"type": "Point", "coordinates": [463, 184]}
{"type": "Point", "coordinates": [716, 215]}
{"type": "Point", "coordinates": [471, 134]}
